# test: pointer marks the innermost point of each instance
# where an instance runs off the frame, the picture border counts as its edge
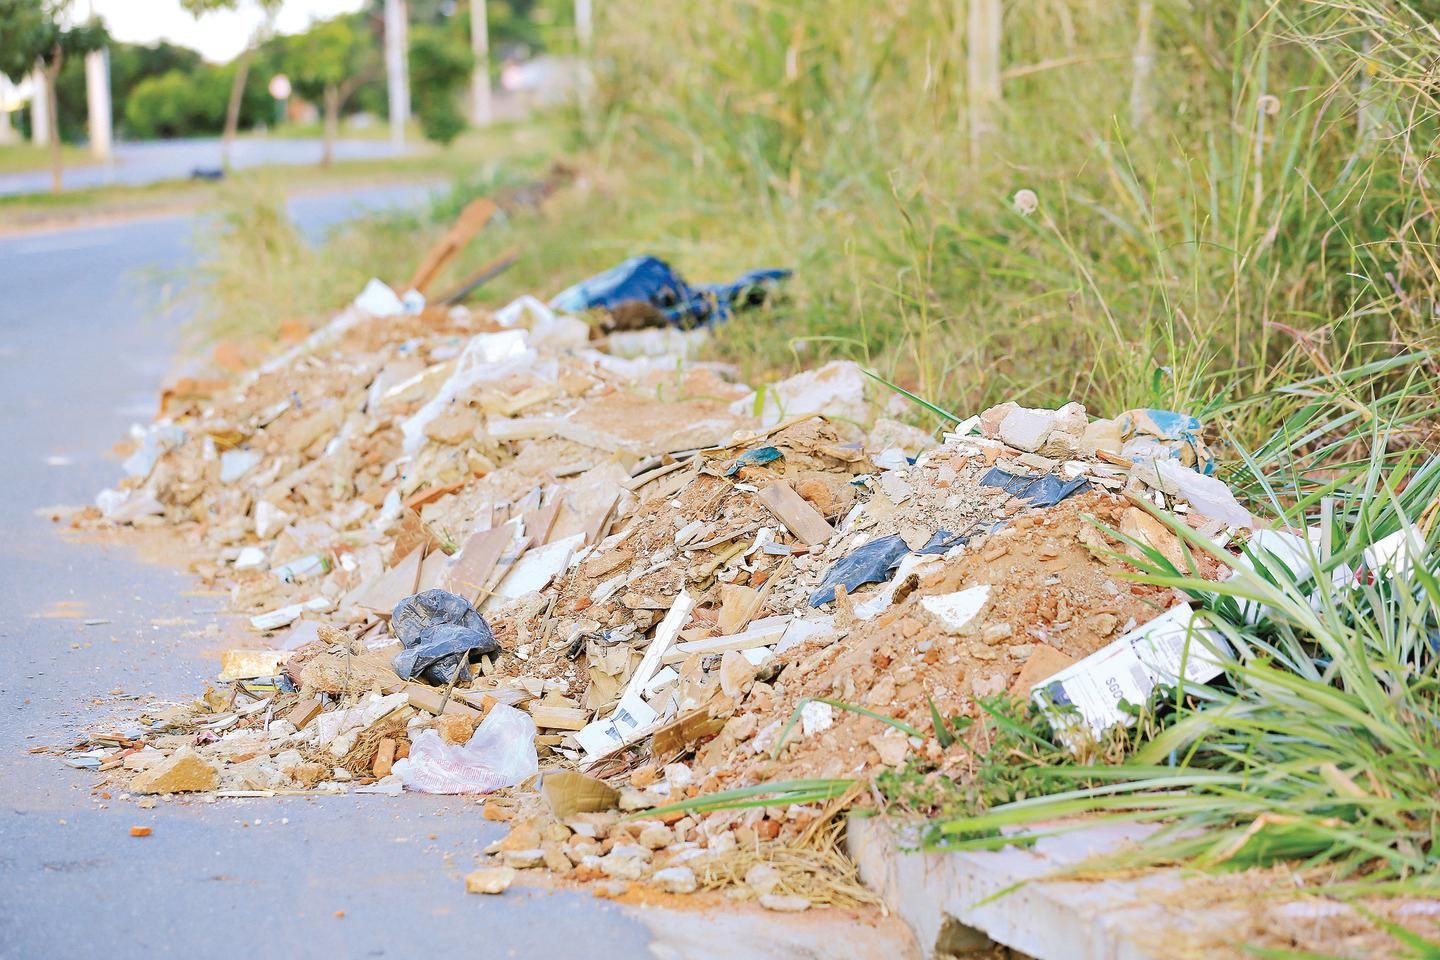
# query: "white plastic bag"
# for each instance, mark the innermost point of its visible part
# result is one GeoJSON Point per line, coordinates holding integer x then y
{"type": "Point", "coordinates": [501, 753]}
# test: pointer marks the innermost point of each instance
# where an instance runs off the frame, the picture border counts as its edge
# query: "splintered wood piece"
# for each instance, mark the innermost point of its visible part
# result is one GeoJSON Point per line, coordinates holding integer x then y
{"type": "Point", "coordinates": [429, 699]}
{"type": "Point", "coordinates": [468, 574]}
{"type": "Point", "coordinates": [540, 521]}
{"type": "Point", "coordinates": [799, 517]}
{"type": "Point", "coordinates": [475, 215]}
{"type": "Point", "coordinates": [558, 718]}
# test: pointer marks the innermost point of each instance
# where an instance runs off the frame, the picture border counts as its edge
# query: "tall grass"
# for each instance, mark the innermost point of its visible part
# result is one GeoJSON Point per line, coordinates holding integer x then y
{"type": "Point", "coordinates": [1273, 218]}
{"type": "Point", "coordinates": [1321, 744]}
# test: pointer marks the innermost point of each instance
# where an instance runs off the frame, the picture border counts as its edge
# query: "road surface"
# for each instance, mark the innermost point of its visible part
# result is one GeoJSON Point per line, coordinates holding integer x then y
{"type": "Point", "coordinates": [134, 164]}
{"type": "Point", "coordinates": [83, 346]}
{"type": "Point", "coordinates": [85, 339]}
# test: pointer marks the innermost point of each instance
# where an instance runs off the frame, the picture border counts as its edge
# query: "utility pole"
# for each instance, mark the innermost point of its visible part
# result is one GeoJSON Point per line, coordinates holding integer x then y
{"type": "Point", "coordinates": [397, 73]}
{"type": "Point", "coordinates": [584, 25]}
{"type": "Point", "coordinates": [97, 101]}
{"type": "Point", "coordinates": [39, 108]}
{"type": "Point", "coordinates": [480, 114]}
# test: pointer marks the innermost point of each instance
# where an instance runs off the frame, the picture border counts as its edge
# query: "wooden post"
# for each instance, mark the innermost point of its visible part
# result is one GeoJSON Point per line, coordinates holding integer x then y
{"type": "Point", "coordinates": [397, 76]}
{"type": "Point", "coordinates": [97, 101]}
{"type": "Point", "coordinates": [1143, 65]}
{"type": "Point", "coordinates": [480, 111]}
{"type": "Point", "coordinates": [983, 38]}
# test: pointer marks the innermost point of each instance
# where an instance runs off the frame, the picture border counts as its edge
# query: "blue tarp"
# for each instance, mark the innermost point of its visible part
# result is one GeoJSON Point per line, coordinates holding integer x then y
{"type": "Point", "coordinates": [653, 283]}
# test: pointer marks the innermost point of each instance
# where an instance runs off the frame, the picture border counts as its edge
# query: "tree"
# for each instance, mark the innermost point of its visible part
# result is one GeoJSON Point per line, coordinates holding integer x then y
{"type": "Point", "coordinates": [327, 64]}
{"type": "Point", "coordinates": [440, 65]}
{"type": "Point", "coordinates": [199, 8]}
{"type": "Point", "coordinates": [31, 34]}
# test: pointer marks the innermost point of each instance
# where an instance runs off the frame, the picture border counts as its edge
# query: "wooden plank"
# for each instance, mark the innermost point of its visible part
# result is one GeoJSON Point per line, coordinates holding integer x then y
{"type": "Point", "coordinates": [382, 593]}
{"type": "Point", "coordinates": [599, 522]}
{"type": "Point", "coordinates": [762, 633]}
{"type": "Point", "coordinates": [539, 523]}
{"type": "Point", "coordinates": [738, 606]}
{"type": "Point", "coordinates": [471, 220]}
{"type": "Point", "coordinates": [665, 635]}
{"type": "Point", "coordinates": [428, 699]}
{"type": "Point", "coordinates": [433, 493]}
{"type": "Point", "coordinates": [469, 573]}
{"type": "Point", "coordinates": [801, 519]}
{"type": "Point", "coordinates": [304, 712]}
{"type": "Point", "coordinates": [558, 718]}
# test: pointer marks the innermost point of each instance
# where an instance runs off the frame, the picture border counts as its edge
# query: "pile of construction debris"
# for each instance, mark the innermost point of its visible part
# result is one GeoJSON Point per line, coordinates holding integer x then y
{"type": "Point", "coordinates": [485, 547]}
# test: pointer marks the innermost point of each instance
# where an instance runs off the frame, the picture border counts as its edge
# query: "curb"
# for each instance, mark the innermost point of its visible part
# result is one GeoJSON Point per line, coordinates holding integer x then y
{"type": "Point", "coordinates": [945, 897]}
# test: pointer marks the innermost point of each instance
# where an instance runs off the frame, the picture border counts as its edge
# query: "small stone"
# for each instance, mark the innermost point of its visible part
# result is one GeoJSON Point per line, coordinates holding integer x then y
{"type": "Point", "coordinates": [497, 812]}
{"type": "Point", "coordinates": [554, 856]}
{"type": "Point", "coordinates": [656, 837]}
{"type": "Point", "coordinates": [1140, 526]}
{"type": "Point", "coordinates": [182, 772]}
{"type": "Point", "coordinates": [781, 903]}
{"type": "Point", "coordinates": [1101, 435]}
{"type": "Point", "coordinates": [455, 728]}
{"type": "Point", "coordinates": [987, 686]}
{"type": "Point", "coordinates": [762, 878]}
{"type": "Point", "coordinates": [1104, 624]}
{"type": "Point", "coordinates": [632, 850]}
{"type": "Point", "coordinates": [524, 835]}
{"type": "Point", "coordinates": [815, 717]}
{"type": "Point", "coordinates": [523, 859]}
{"type": "Point", "coordinates": [141, 831]}
{"type": "Point", "coordinates": [997, 632]}
{"type": "Point", "coordinates": [675, 880]}
{"type": "Point", "coordinates": [742, 727]}
{"type": "Point", "coordinates": [909, 626]}
{"type": "Point", "coordinates": [1071, 420]}
{"type": "Point", "coordinates": [892, 749]}
{"type": "Point", "coordinates": [1043, 664]}
{"type": "Point", "coordinates": [882, 693]}
{"type": "Point", "coordinates": [991, 419]}
{"type": "Point", "coordinates": [642, 777]}
{"type": "Point", "coordinates": [735, 673]}
{"type": "Point", "coordinates": [489, 880]}
{"type": "Point", "coordinates": [1026, 429]}
{"type": "Point", "coordinates": [632, 800]}
{"type": "Point", "coordinates": [622, 868]}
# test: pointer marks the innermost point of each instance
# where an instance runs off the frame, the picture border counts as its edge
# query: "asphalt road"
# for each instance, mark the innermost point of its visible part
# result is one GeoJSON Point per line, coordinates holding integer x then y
{"type": "Point", "coordinates": [151, 161]}
{"type": "Point", "coordinates": [84, 341]}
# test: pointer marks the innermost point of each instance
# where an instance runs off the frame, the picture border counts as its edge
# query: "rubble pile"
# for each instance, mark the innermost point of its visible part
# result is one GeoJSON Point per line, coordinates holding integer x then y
{"type": "Point", "coordinates": [485, 547]}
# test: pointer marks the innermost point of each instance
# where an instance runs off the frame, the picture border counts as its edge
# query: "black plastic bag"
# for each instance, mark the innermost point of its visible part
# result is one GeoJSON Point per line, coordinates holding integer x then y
{"type": "Point", "coordinates": [439, 630]}
{"type": "Point", "coordinates": [1041, 491]}
{"type": "Point", "coordinates": [868, 563]}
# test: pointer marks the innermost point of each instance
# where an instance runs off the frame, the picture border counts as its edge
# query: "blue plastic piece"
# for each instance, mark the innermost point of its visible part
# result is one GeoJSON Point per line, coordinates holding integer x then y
{"type": "Point", "coordinates": [1042, 491]}
{"type": "Point", "coordinates": [754, 458]}
{"type": "Point", "coordinates": [870, 563]}
{"type": "Point", "coordinates": [943, 542]}
{"type": "Point", "coordinates": [650, 281]}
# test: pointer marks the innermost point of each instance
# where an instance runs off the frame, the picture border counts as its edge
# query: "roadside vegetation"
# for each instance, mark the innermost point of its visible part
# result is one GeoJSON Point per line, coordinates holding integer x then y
{"type": "Point", "coordinates": [1226, 209]}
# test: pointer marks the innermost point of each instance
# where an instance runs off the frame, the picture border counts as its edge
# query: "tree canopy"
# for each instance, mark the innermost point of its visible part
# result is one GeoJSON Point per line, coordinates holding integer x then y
{"type": "Point", "coordinates": [34, 31]}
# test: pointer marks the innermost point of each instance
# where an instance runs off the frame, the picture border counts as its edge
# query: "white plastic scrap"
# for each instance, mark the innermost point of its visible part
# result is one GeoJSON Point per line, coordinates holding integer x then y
{"type": "Point", "coordinates": [487, 356]}
{"type": "Point", "coordinates": [234, 464]}
{"type": "Point", "coordinates": [1128, 669]}
{"type": "Point", "coordinates": [501, 753]}
{"type": "Point", "coordinates": [154, 442]}
{"type": "Point", "coordinates": [816, 716]}
{"type": "Point", "coordinates": [378, 300]}
{"type": "Point", "coordinates": [956, 612]}
{"type": "Point", "coordinates": [1206, 495]}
